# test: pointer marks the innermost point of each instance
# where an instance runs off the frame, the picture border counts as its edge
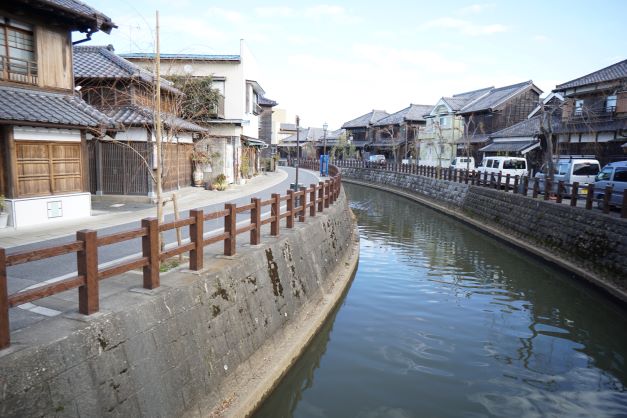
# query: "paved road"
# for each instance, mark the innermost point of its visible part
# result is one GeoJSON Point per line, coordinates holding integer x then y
{"type": "Point", "coordinates": [25, 275]}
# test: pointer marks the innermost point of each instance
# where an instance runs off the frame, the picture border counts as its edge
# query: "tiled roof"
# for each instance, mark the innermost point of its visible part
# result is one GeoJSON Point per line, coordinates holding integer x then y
{"type": "Point", "coordinates": [460, 100]}
{"type": "Point", "coordinates": [412, 113]}
{"type": "Point", "coordinates": [495, 97]}
{"type": "Point", "coordinates": [85, 16]}
{"type": "Point", "coordinates": [184, 57]}
{"type": "Point", "coordinates": [55, 108]}
{"type": "Point", "coordinates": [510, 146]}
{"type": "Point", "coordinates": [366, 120]}
{"type": "Point", "coordinates": [141, 116]}
{"type": "Point", "coordinates": [526, 128]}
{"type": "Point", "coordinates": [102, 63]}
{"type": "Point", "coordinates": [264, 101]}
{"type": "Point", "coordinates": [613, 72]}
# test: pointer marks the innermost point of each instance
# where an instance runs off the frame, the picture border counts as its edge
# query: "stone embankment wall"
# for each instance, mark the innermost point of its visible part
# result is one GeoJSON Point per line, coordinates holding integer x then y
{"type": "Point", "coordinates": [591, 245]}
{"type": "Point", "coordinates": [209, 342]}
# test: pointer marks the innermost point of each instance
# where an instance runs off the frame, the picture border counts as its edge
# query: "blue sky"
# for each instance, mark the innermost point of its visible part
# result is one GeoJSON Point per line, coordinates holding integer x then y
{"type": "Point", "coordinates": [334, 61]}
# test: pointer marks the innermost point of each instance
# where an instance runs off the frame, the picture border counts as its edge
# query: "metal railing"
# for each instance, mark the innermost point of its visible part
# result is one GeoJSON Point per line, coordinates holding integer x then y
{"type": "Point", "coordinates": [316, 198]}
{"type": "Point", "coordinates": [558, 192]}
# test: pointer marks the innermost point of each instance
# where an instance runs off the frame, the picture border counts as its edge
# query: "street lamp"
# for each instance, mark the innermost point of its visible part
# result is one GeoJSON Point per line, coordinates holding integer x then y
{"type": "Point", "coordinates": [297, 150]}
{"type": "Point", "coordinates": [324, 137]}
{"type": "Point", "coordinates": [324, 158]}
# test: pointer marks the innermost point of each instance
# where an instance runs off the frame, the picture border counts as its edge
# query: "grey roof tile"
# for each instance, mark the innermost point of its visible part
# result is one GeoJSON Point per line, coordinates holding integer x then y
{"type": "Point", "coordinates": [76, 10]}
{"type": "Point", "coordinates": [101, 62]}
{"type": "Point", "coordinates": [185, 57]}
{"type": "Point", "coordinates": [142, 116]}
{"type": "Point", "coordinates": [526, 128]}
{"type": "Point", "coordinates": [411, 113]}
{"type": "Point", "coordinates": [460, 100]}
{"type": "Point", "coordinates": [264, 101]}
{"type": "Point", "coordinates": [496, 97]}
{"type": "Point", "coordinates": [27, 105]}
{"type": "Point", "coordinates": [366, 120]}
{"type": "Point", "coordinates": [613, 72]}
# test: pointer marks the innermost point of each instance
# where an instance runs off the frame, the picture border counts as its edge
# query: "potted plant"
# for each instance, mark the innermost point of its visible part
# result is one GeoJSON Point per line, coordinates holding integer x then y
{"type": "Point", "coordinates": [200, 159]}
{"type": "Point", "coordinates": [4, 216]}
{"type": "Point", "coordinates": [220, 182]}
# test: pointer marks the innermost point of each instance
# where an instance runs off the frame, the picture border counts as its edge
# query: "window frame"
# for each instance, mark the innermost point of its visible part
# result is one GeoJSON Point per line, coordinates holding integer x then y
{"type": "Point", "coordinates": [30, 73]}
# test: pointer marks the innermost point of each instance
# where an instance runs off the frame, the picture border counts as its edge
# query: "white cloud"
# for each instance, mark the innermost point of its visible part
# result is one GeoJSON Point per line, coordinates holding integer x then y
{"type": "Point", "coordinates": [324, 10]}
{"type": "Point", "coordinates": [475, 8]}
{"type": "Point", "coordinates": [271, 12]}
{"type": "Point", "coordinates": [228, 15]}
{"type": "Point", "coordinates": [464, 26]}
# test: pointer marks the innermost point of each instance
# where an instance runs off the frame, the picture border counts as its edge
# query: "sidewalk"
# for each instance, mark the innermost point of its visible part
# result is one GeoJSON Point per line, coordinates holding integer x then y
{"type": "Point", "coordinates": [116, 212]}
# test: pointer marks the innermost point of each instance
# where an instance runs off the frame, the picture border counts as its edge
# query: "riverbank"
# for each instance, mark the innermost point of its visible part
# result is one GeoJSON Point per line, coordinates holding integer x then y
{"type": "Point", "coordinates": [590, 246]}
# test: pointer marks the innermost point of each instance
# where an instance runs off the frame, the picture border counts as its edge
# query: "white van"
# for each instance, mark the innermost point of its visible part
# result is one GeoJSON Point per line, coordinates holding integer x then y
{"type": "Point", "coordinates": [463, 163]}
{"type": "Point", "coordinates": [570, 169]}
{"type": "Point", "coordinates": [377, 158]}
{"type": "Point", "coordinates": [514, 166]}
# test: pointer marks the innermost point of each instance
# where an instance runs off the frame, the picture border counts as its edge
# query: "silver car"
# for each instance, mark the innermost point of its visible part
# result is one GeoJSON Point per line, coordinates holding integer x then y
{"type": "Point", "coordinates": [614, 175]}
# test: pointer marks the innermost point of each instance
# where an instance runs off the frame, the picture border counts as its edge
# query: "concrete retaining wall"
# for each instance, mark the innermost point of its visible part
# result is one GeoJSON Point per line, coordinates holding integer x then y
{"type": "Point", "coordinates": [202, 343]}
{"type": "Point", "coordinates": [590, 244]}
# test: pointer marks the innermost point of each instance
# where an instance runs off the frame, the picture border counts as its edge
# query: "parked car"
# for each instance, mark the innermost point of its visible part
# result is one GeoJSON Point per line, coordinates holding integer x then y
{"type": "Point", "coordinates": [377, 158]}
{"type": "Point", "coordinates": [570, 169]}
{"type": "Point", "coordinates": [614, 175]}
{"type": "Point", "coordinates": [514, 166]}
{"type": "Point", "coordinates": [463, 163]}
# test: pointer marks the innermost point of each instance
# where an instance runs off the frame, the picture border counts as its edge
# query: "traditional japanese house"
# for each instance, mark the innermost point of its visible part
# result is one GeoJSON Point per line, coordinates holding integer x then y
{"type": "Point", "coordinates": [594, 115]}
{"type": "Point", "coordinates": [124, 163]}
{"type": "Point", "coordinates": [361, 130]}
{"type": "Point", "coordinates": [396, 135]}
{"type": "Point", "coordinates": [43, 123]}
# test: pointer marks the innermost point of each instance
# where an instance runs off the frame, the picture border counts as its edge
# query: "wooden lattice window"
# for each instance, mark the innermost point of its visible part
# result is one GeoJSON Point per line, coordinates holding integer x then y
{"type": "Point", "coordinates": [17, 52]}
{"type": "Point", "coordinates": [45, 168]}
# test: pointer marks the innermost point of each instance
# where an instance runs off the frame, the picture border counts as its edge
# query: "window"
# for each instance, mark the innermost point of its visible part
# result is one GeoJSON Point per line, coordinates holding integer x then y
{"type": "Point", "coordinates": [443, 121]}
{"type": "Point", "coordinates": [620, 174]}
{"type": "Point", "coordinates": [586, 169]}
{"type": "Point", "coordinates": [578, 107]}
{"type": "Point", "coordinates": [604, 175]}
{"type": "Point", "coordinates": [218, 85]}
{"type": "Point", "coordinates": [17, 52]}
{"type": "Point", "coordinates": [610, 104]}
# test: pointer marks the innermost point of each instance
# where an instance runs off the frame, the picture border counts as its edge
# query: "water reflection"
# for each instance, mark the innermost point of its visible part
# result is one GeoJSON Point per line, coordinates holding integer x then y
{"type": "Point", "coordinates": [443, 321]}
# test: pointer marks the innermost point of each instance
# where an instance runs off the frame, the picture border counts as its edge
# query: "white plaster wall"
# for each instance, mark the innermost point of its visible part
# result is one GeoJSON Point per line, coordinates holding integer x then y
{"type": "Point", "coordinates": [133, 134]}
{"type": "Point", "coordinates": [32, 133]}
{"type": "Point", "coordinates": [34, 211]}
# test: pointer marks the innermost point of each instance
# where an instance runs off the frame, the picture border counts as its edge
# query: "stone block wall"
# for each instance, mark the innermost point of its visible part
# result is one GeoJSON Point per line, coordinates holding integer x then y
{"type": "Point", "coordinates": [180, 349]}
{"type": "Point", "coordinates": [592, 243]}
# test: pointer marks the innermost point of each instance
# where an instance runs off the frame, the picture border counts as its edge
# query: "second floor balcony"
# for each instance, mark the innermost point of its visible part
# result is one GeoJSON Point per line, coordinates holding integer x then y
{"type": "Point", "coordinates": [18, 70]}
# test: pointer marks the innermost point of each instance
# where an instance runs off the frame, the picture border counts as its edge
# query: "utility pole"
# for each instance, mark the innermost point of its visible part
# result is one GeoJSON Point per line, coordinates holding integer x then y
{"type": "Point", "coordinates": [297, 150]}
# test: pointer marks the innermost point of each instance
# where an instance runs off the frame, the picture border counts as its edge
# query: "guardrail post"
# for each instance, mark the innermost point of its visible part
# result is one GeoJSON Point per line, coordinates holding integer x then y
{"type": "Point", "coordinates": [289, 223]}
{"type": "Point", "coordinates": [327, 193]}
{"type": "Point", "coordinates": [150, 250]}
{"type": "Point", "coordinates": [312, 200]}
{"type": "Point", "coordinates": [589, 196]}
{"type": "Point", "coordinates": [255, 218]}
{"type": "Point", "coordinates": [574, 195]}
{"type": "Point", "coordinates": [623, 210]}
{"type": "Point", "coordinates": [606, 199]}
{"type": "Point", "coordinates": [303, 205]}
{"type": "Point", "coordinates": [87, 266]}
{"type": "Point", "coordinates": [275, 212]}
{"type": "Point", "coordinates": [560, 189]}
{"type": "Point", "coordinates": [321, 197]}
{"type": "Point", "coordinates": [230, 228]}
{"type": "Point", "coordinates": [5, 330]}
{"type": "Point", "coordinates": [196, 232]}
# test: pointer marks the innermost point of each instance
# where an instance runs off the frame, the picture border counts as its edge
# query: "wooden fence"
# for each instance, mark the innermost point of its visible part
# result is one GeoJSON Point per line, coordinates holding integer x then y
{"type": "Point", "coordinates": [523, 185]}
{"type": "Point", "coordinates": [313, 199]}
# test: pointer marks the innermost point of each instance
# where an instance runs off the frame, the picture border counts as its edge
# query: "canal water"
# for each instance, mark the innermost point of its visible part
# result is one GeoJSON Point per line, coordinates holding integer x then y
{"type": "Point", "coordinates": [442, 321]}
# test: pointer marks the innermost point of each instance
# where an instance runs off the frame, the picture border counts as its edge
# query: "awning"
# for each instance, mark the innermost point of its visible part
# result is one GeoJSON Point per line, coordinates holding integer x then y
{"type": "Point", "coordinates": [253, 142]}
{"type": "Point", "coordinates": [522, 147]}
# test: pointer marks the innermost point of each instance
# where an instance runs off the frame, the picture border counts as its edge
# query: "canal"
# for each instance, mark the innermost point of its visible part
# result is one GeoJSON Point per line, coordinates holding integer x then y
{"type": "Point", "coordinates": [442, 321]}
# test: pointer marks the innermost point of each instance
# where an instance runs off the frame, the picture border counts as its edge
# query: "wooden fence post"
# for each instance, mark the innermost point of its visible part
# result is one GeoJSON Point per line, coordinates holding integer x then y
{"type": "Point", "coordinates": [623, 210]}
{"type": "Point", "coordinates": [516, 183]}
{"type": "Point", "coordinates": [536, 188]}
{"type": "Point", "coordinates": [574, 194]}
{"type": "Point", "coordinates": [560, 188]}
{"type": "Point", "coordinates": [547, 188]}
{"type": "Point", "coordinates": [87, 266]}
{"type": "Point", "coordinates": [196, 232]}
{"type": "Point", "coordinates": [507, 178]}
{"type": "Point", "coordinates": [312, 200]}
{"type": "Point", "coordinates": [327, 193]}
{"type": "Point", "coordinates": [290, 209]}
{"type": "Point", "coordinates": [606, 199]}
{"type": "Point", "coordinates": [525, 186]}
{"type": "Point", "coordinates": [255, 218]}
{"type": "Point", "coordinates": [303, 204]}
{"type": "Point", "coordinates": [5, 330]}
{"type": "Point", "coordinates": [230, 227]}
{"type": "Point", "coordinates": [321, 197]}
{"type": "Point", "coordinates": [589, 196]}
{"type": "Point", "coordinates": [150, 250]}
{"type": "Point", "coordinates": [275, 212]}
